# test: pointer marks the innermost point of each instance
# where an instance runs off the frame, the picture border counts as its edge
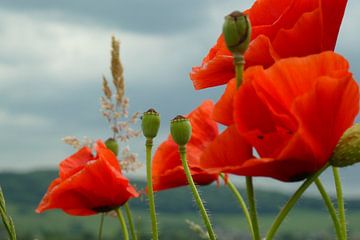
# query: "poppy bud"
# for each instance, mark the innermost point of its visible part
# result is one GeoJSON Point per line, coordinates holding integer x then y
{"type": "Point", "coordinates": [180, 128]}
{"type": "Point", "coordinates": [237, 32]}
{"type": "Point", "coordinates": [347, 151]}
{"type": "Point", "coordinates": [112, 145]}
{"type": "Point", "coordinates": [150, 123]}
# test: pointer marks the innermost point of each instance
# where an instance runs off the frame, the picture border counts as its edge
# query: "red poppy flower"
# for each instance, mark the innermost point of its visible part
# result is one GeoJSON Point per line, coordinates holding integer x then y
{"type": "Point", "coordinates": [88, 184]}
{"type": "Point", "coordinates": [280, 29]}
{"type": "Point", "coordinates": [293, 113]}
{"type": "Point", "coordinates": [168, 171]}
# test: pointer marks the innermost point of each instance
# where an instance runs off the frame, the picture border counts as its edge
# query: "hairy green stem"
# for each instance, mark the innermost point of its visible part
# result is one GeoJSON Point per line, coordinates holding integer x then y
{"type": "Point", "coordinates": [252, 207]}
{"type": "Point", "coordinates": [122, 223]}
{"type": "Point", "coordinates": [130, 221]}
{"type": "Point", "coordinates": [291, 202]}
{"type": "Point", "coordinates": [101, 225]}
{"type": "Point", "coordinates": [331, 208]}
{"type": "Point", "coordinates": [239, 68]}
{"type": "Point", "coordinates": [241, 201]}
{"type": "Point", "coordinates": [340, 201]}
{"type": "Point", "coordinates": [149, 144]}
{"type": "Point", "coordinates": [182, 150]}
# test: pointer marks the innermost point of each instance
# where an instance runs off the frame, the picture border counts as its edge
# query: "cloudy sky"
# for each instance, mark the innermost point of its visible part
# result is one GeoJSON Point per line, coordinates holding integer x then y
{"type": "Point", "coordinates": [52, 57]}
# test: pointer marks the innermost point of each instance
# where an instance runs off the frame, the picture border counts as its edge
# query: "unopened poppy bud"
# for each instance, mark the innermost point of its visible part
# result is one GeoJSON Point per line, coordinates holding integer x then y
{"type": "Point", "coordinates": [150, 123]}
{"type": "Point", "coordinates": [237, 32]}
{"type": "Point", "coordinates": [112, 145]}
{"type": "Point", "coordinates": [180, 129]}
{"type": "Point", "coordinates": [347, 151]}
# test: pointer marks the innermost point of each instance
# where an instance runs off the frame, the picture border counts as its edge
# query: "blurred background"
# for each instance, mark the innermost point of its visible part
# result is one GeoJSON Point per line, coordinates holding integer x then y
{"type": "Point", "coordinates": [52, 58]}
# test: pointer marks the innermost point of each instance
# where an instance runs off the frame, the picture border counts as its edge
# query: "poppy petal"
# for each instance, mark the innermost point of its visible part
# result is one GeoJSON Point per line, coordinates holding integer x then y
{"type": "Point", "coordinates": [167, 168]}
{"type": "Point", "coordinates": [226, 153]}
{"type": "Point", "coordinates": [75, 162]}
{"type": "Point", "coordinates": [223, 110]}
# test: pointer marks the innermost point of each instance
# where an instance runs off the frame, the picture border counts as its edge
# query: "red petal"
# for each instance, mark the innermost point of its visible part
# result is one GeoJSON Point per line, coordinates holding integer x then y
{"type": "Point", "coordinates": [332, 14]}
{"type": "Point", "coordinates": [223, 111]}
{"type": "Point", "coordinates": [226, 153]}
{"type": "Point", "coordinates": [96, 186]}
{"type": "Point", "coordinates": [306, 37]}
{"type": "Point", "coordinates": [75, 162]}
{"type": "Point", "coordinates": [260, 52]}
{"type": "Point", "coordinates": [167, 167]}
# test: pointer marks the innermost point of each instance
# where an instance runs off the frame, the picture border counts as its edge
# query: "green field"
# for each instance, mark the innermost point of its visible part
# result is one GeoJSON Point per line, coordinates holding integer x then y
{"type": "Point", "coordinates": [309, 220]}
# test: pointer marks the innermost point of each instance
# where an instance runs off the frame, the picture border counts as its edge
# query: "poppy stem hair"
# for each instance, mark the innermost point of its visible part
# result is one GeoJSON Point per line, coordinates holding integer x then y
{"type": "Point", "coordinates": [101, 226]}
{"type": "Point", "coordinates": [206, 219]}
{"type": "Point", "coordinates": [150, 125]}
{"type": "Point", "coordinates": [291, 202]}
{"type": "Point", "coordinates": [240, 200]}
{"type": "Point", "coordinates": [340, 200]}
{"type": "Point", "coordinates": [122, 223]}
{"type": "Point", "coordinates": [149, 144]}
{"type": "Point", "coordinates": [130, 221]}
{"type": "Point", "coordinates": [329, 204]}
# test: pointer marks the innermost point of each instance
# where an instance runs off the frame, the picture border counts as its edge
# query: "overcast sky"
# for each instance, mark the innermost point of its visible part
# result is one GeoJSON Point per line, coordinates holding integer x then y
{"type": "Point", "coordinates": [53, 54]}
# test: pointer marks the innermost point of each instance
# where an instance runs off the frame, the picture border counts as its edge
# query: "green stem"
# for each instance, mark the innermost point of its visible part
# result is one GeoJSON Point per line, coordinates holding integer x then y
{"type": "Point", "coordinates": [239, 68]}
{"type": "Point", "coordinates": [241, 201]}
{"type": "Point", "coordinates": [252, 207]}
{"type": "Point", "coordinates": [331, 208]}
{"type": "Point", "coordinates": [101, 226]}
{"type": "Point", "coordinates": [182, 150]}
{"type": "Point", "coordinates": [149, 144]}
{"type": "Point", "coordinates": [122, 223]}
{"type": "Point", "coordinates": [291, 202]}
{"type": "Point", "coordinates": [340, 200]}
{"type": "Point", "coordinates": [130, 221]}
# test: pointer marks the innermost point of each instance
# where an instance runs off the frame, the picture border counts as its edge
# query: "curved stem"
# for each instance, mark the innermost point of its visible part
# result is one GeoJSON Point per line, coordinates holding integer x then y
{"type": "Point", "coordinates": [182, 150]}
{"type": "Point", "coordinates": [101, 226]}
{"type": "Point", "coordinates": [130, 221]}
{"type": "Point", "coordinates": [122, 223]}
{"type": "Point", "coordinates": [252, 207]}
{"type": "Point", "coordinates": [340, 200]}
{"type": "Point", "coordinates": [291, 202]}
{"type": "Point", "coordinates": [331, 208]}
{"type": "Point", "coordinates": [241, 201]}
{"type": "Point", "coordinates": [149, 144]}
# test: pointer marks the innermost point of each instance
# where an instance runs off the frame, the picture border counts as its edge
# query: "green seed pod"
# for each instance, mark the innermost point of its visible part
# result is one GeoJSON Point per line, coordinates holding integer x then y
{"type": "Point", "coordinates": [111, 144]}
{"type": "Point", "coordinates": [347, 151]}
{"type": "Point", "coordinates": [237, 32]}
{"type": "Point", "coordinates": [180, 128]}
{"type": "Point", "coordinates": [150, 123]}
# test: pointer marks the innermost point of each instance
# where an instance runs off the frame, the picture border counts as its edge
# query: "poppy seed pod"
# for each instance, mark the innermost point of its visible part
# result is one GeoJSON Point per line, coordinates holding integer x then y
{"type": "Point", "coordinates": [112, 145]}
{"type": "Point", "coordinates": [150, 123]}
{"type": "Point", "coordinates": [347, 152]}
{"type": "Point", "coordinates": [237, 32]}
{"type": "Point", "coordinates": [180, 129]}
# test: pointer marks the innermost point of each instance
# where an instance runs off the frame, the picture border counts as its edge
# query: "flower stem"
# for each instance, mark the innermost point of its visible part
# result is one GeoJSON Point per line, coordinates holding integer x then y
{"type": "Point", "coordinates": [331, 209]}
{"type": "Point", "coordinates": [101, 226]}
{"type": "Point", "coordinates": [149, 144]}
{"type": "Point", "coordinates": [122, 223]}
{"type": "Point", "coordinates": [252, 207]}
{"type": "Point", "coordinates": [182, 150]}
{"type": "Point", "coordinates": [291, 202]}
{"type": "Point", "coordinates": [130, 221]}
{"type": "Point", "coordinates": [340, 200]}
{"type": "Point", "coordinates": [239, 68]}
{"type": "Point", "coordinates": [241, 201]}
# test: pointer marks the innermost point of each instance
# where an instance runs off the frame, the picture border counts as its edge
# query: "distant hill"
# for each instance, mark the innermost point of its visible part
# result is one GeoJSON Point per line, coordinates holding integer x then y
{"type": "Point", "coordinates": [309, 220]}
{"type": "Point", "coordinates": [26, 189]}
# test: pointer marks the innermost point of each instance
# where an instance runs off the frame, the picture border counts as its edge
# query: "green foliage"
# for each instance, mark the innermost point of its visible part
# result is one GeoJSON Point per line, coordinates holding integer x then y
{"type": "Point", "coordinates": [7, 221]}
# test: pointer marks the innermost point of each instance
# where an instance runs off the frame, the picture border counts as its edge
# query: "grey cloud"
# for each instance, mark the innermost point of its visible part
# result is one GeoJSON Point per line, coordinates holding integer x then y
{"type": "Point", "coordinates": [154, 17]}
